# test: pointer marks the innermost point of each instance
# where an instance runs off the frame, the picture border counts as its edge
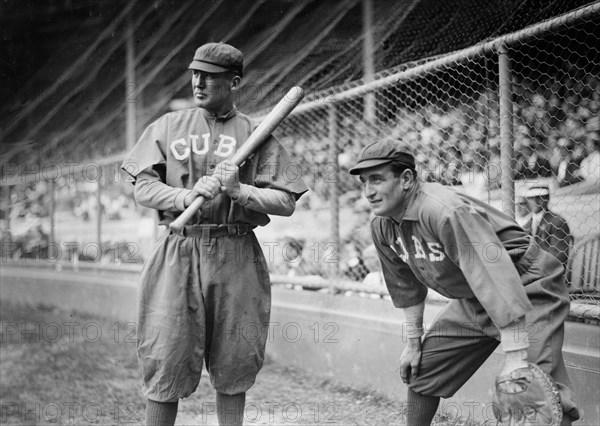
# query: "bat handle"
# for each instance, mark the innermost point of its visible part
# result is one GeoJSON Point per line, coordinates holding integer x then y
{"type": "Point", "coordinates": [179, 223]}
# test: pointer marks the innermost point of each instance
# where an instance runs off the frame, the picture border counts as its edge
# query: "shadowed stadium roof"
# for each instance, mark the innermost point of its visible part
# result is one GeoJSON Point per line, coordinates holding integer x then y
{"type": "Point", "coordinates": [63, 62]}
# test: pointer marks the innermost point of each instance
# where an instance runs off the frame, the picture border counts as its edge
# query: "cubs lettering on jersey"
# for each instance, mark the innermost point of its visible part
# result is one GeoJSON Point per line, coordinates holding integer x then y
{"type": "Point", "coordinates": [181, 148]}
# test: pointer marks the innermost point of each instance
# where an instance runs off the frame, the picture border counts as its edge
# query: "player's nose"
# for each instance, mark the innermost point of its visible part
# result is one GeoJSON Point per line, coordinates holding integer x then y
{"type": "Point", "coordinates": [369, 191]}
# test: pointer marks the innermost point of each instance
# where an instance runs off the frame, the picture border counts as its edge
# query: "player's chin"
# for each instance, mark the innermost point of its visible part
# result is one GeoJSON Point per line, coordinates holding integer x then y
{"type": "Point", "coordinates": [379, 209]}
{"type": "Point", "coordinates": [200, 103]}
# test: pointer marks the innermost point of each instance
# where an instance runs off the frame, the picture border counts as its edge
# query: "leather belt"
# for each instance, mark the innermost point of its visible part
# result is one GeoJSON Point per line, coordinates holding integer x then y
{"type": "Point", "coordinates": [216, 231]}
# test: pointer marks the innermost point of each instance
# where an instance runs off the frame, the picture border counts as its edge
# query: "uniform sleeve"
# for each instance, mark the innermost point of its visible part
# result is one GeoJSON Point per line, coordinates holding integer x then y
{"type": "Point", "coordinates": [266, 200]}
{"type": "Point", "coordinates": [148, 150]}
{"type": "Point", "coordinates": [276, 170]}
{"type": "Point", "coordinates": [404, 288]}
{"type": "Point", "coordinates": [151, 192]}
{"type": "Point", "coordinates": [470, 241]}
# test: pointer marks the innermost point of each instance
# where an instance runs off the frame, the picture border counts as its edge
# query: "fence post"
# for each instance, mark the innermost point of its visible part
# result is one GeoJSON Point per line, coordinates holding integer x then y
{"type": "Point", "coordinates": [368, 55]}
{"type": "Point", "coordinates": [99, 212]}
{"type": "Point", "coordinates": [130, 85]}
{"type": "Point", "coordinates": [52, 212]}
{"type": "Point", "coordinates": [334, 202]}
{"type": "Point", "coordinates": [506, 131]}
{"type": "Point", "coordinates": [8, 213]}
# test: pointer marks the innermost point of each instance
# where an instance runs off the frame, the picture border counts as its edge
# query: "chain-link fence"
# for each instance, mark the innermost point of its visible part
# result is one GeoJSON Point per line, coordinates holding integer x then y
{"type": "Point", "coordinates": [492, 120]}
{"type": "Point", "coordinates": [501, 121]}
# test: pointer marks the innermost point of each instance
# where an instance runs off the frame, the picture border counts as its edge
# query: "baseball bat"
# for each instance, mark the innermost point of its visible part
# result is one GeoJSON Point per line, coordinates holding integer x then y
{"type": "Point", "coordinates": [258, 136]}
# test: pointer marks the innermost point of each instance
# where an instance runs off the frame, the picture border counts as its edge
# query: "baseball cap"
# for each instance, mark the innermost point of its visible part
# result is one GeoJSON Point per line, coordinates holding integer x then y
{"type": "Point", "coordinates": [537, 191]}
{"type": "Point", "coordinates": [382, 152]}
{"type": "Point", "coordinates": [218, 57]}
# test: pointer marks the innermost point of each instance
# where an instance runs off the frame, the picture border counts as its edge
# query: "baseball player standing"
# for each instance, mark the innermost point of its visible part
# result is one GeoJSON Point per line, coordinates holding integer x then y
{"type": "Point", "coordinates": [505, 289]}
{"type": "Point", "coordinates": [205, 295]}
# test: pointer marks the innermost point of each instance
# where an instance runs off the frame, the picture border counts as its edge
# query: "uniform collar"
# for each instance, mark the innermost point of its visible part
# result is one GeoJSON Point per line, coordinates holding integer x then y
{"type": "Point", "coordinates": [224, 117]}
{"type": "Point", "coordinates": [412, 209]}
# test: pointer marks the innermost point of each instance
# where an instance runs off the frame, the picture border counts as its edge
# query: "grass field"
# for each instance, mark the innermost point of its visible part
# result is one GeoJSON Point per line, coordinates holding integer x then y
{"type": "Point", "coordinates": [67, 368]}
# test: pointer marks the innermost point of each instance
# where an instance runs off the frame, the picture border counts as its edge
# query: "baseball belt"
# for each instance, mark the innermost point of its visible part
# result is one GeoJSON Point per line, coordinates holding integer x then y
{"type": "Point", "coordinates": [208, 231]}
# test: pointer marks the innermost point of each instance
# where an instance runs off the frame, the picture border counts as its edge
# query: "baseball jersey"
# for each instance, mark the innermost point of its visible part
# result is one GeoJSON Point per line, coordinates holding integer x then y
{"type": "Point", "coordinates": [456, 245]}
{"type": "Point", "coordinates": [183, 146]}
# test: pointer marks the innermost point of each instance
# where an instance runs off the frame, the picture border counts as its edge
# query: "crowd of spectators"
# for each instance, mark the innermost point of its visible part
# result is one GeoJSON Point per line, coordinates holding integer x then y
{"type": "Point", "coordinates": [26, 223]}
{"type": "Point", "coordinates": [556, 131]}
{"type": "Point", "coordinates": [556, 134]}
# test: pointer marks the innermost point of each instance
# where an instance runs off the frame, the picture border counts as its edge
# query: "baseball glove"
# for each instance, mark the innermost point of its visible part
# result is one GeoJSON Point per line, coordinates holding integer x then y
{"type": "Point", "coordinates": [527, 396]}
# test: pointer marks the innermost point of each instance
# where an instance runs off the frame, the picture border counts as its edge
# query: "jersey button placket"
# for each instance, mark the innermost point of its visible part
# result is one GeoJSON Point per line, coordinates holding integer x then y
{"type": "Point", "coordinates": [217, 131]}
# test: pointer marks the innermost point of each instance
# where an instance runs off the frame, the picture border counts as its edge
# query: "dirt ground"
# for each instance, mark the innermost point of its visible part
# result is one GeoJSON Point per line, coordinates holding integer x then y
{"type": "Point", "coordinates": [64, 368]}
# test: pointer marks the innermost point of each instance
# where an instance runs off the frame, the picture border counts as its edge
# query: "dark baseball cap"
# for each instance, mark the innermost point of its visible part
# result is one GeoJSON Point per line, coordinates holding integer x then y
{"type": "Point", "coordinates": [382, 152]}
{"type": "Point", "coordinates": [218, 57]}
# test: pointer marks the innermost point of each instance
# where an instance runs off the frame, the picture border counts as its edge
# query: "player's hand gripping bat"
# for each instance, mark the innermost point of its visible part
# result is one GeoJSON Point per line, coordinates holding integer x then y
{"type": "Point", "coordinates": [258, 136]}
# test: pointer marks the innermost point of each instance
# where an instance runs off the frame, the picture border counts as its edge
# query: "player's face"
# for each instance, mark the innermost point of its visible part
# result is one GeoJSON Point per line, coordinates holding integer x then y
{"type": "Point", "coordinates": [537, 204]}
{"type": "Point", "coordinates": [384, 190]}
{"type": "Point", "coordinates": [214, 91]}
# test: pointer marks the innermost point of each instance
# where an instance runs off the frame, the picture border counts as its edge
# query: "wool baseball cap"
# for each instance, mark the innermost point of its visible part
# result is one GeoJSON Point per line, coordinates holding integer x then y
{"type": "Point", "coordinates": [537, 191]}
{"type": "Point", "coordinates": [218, 57]}
{"type": "Point", "coordinates": [382, 152]}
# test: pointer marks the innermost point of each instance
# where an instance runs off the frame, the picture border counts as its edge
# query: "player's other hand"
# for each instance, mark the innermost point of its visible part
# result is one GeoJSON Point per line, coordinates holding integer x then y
{"type": "Point", "coordinates": [228, 175]}
{"type": "Point", "coordinates": [513, 360]}
{"type": "Point", "coordinates": [410, 360]}
{"type": "Point", "coordinates": [207, 187]}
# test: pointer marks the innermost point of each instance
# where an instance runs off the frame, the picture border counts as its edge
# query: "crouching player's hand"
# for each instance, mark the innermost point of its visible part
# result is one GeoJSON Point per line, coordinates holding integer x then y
{"type": "Point", "coordinates": [513, 360]}
{"type": "Point", "coordinates": [410, 360]}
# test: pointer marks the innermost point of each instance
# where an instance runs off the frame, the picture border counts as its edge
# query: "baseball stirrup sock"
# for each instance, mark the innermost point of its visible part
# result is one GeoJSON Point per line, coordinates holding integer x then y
{"type": "Point", "coordinates": [160, 413]}
{"type": "Point", "coordinates": [230, 409]}
{"type": "Point", "coordinates": [420, 409]}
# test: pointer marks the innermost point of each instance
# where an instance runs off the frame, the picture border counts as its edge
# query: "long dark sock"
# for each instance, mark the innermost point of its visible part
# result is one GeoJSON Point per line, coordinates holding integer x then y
{"type": "Point", "coordinates": [160, 413]}
{"type": "Point", "coordinates": [230, 409]}
{"type": "Point", "coordinates": [420, 409]}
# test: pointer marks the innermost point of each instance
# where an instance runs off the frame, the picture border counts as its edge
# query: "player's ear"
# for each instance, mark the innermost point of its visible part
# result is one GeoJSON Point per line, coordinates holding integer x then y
{"type": "Point", "coordinates": [407, 177]}
{"type": "Point", "coordinates": [235, 83]}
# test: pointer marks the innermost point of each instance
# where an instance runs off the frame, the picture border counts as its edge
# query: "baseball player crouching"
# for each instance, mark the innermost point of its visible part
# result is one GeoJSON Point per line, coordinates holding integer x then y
{"type": "Point", "coordinates": [502, 285]}
{"type": "Point", "coordinates": [200, 289]}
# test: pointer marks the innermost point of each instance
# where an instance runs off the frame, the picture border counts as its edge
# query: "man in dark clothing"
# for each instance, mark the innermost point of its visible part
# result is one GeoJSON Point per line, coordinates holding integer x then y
{"type": "Point", "coordinates": [550, 230]}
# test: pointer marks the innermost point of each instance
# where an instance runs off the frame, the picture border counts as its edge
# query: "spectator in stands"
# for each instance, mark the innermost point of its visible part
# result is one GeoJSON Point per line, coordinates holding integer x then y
{"type": "Point", "coordinates": [374, 279]}
{"type": "Point", "coordinates": [451, 167]}
{"type": "Point", "coordinates": [532, 163]}
{"type": "Point", "coordinates": [590, 165]}
{"type": "Point", "coordinates": [567, 168]}
{"type": "Point", "coordinates": [297, 264]}
{"type": "Point", "coordinates": [550, 230]}
{"type": "Point", "coordinates": [429, 236]}
{"type": "Point", "coordinates": [353, 244]}
{"type": "Point", "coordinates": [36, 242]}
{"type": "Point", "coordinates": [522, 210]}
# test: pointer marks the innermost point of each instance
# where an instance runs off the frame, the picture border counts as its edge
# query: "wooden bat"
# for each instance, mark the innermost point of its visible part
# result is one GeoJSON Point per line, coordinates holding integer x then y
{"type": "Point", "coordinates": [258, 136]}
